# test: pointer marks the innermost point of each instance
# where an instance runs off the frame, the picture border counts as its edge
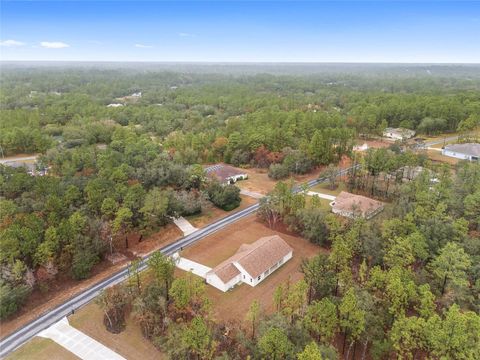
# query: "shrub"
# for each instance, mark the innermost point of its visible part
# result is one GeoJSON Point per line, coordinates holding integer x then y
{"type": "Point", "coordinates": [225, 197]}
{"type": "Point", "coordinates": [278, 171]}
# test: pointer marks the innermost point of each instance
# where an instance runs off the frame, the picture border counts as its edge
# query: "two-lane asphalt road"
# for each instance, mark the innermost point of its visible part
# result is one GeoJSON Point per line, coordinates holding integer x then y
{"type": "Point", "coordinates": [441, 141]}
{"type": "Point", "coordinates": [25, 333]}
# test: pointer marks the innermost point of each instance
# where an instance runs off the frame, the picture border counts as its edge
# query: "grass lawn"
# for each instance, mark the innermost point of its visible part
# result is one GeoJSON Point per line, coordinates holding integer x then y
{"type": "Point", "coordinates": [41, 349]}
{"type": "Point", "coordinates": [129, 343]}
{"type": "Point", "coordinates": [324, 204]}
{"type": "Point", "coordinates": [324, 188]}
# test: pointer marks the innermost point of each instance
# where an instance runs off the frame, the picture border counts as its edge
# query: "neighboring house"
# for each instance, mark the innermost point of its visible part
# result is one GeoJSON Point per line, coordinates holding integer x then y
{"type": "Point", "coordinates": [363, 147]}
{"type": "Point", "coordinates": [354, 206]}
{"type": "Point", "coordinates": [398, 133]}
{"type": "Point", "coordinates": [470, 151]}
{"type": "Point", "coordinates": [412, 172]}
{"type": "Point", "coordinates": [115, 105]}
{"type": "Point", "coordinates": [30, 167]}
{"type": "Point", "coordinates": [251, 264]}
{"type": "Point", "coordinates": [137, 94]}
{"type": "Point", "coordinates": [225, 174]}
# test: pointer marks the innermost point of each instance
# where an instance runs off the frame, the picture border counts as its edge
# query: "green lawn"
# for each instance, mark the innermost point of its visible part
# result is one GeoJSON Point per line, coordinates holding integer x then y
{"type": "Point", "coordinates": [324, 188]}
{"type": "Point", "coordinates": [41, 349]}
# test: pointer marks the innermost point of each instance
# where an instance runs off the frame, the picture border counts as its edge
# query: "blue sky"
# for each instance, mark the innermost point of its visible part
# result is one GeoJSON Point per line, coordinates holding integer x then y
{"type": "Point", "coordinates": [314, 31]}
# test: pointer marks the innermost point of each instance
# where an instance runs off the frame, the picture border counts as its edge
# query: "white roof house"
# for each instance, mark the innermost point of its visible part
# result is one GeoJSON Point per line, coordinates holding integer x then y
{"type": "Point", "coordinates": [398, 133]}
{"type": "Point", "coordinates": [225, 174]}
{"type": "Point", "coordinates": [354, 206]}
{"type": "Point", "coordinates": [363, 147]}
{"type": "Point", "coordinates": [251, 264]}
{"type": "Point", "coordinates": [470, 151]}
{"type": "Point", "coordinates": [114, 105]}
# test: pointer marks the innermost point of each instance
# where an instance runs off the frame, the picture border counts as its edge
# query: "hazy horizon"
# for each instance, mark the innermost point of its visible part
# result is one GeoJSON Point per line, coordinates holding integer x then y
{"type": "Point", "coordinates": [241, 32]}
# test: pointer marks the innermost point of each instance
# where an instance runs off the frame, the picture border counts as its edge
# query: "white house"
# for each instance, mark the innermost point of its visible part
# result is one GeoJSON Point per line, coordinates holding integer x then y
{"type": "Point", "coordinates": [470, 151]}
{"type": "Point", "coordinates": [251, 264]}
{"type": "Point", "coordinates": [398, 133]}
{"type": "Point", "coordinates": [225, 174]}
{"type": "Point", "coordinates": [359, 148]}
{"type": "Point", "coordinates": [354, 206]}
{"type": "Point", "coordinates": [115, 105]}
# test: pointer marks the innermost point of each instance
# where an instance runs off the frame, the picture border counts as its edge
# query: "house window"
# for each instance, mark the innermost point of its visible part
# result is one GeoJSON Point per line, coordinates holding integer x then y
{"type": "Point", "coordinates": [259, 277]}
{"type": "Point", "coordinates": [251, 279]}
{"type": "Point", "coordinates": [244, 276]}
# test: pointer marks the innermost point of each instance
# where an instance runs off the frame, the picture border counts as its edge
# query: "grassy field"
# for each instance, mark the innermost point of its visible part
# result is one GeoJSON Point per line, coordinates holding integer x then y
{"type": "Point", "coordinates": [129, 343]}
{"type": "Point", "coordinates": [324, 188]}
{"type": "Point", "coordinates": [41, 349]}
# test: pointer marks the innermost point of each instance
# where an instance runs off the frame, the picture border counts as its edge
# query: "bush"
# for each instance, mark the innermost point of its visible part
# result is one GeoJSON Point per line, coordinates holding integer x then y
{"type": "Point", "coordinates": [11, 297]}
{"type": "Point", "coordinates": [225, 197]}
{"type": "Point", "coordinates": [84, 258]}
{"type": "Point", "coordinates": [188, 202]}
{"type": "Point", "coordinates": [240, 157]}
{"type": "Point", "coordinates": [314, 226]}
{"type": "Point", "coordinates": [297, 162]}
{"type": "Point", "coordinates": [278, 171]}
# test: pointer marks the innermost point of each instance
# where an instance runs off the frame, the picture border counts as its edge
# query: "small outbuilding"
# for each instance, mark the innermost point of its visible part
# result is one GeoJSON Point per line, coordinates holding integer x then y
{"type": "Point", "coordinates": [251, 264]}
{"type": "Point", "coordinates": [225, 174]}
{"type": "Point", "coordinates": [354, 206]}
{"type": "Point", "coordinates": [398, 133]}
{"type": "Point", "coordinates": [469, 151]}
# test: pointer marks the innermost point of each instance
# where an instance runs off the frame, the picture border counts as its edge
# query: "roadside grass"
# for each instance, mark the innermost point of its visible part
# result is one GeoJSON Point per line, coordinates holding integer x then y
{"type": "Point", "coordinates": [41, 349]}
{"type": "Point", "coordinates": [130, 343]}
{"type": "Point", "coordinates": [324, 188]}
{"type": "Point", "coordinates": [437, 156]}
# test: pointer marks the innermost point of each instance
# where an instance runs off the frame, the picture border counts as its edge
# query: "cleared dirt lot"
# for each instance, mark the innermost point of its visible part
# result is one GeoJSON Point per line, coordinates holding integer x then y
{"type": "Point", "coordinates": [41, 349]}
{"type": "Point", "coordinates": [212, 250]}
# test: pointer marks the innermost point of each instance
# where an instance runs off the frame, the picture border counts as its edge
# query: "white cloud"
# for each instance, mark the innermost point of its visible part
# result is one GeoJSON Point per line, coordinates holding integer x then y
{"type": "Point", "coordinates": [11, 43]}
{"type": "Point", "coordinates": [184, 34]}
{"type": "Point", "coordinates": [143, 46]}
{"type": "Point", "coordinates": [53, 45]}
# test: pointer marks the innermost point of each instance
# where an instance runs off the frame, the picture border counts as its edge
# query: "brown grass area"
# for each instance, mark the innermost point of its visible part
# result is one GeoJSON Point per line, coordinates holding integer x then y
{"type": "Point", "coordinates": [375, 144]}
{"type": "Point", "coordinates": [437, 156]}
{"type": "Point", "coordinates": [212, 250]}
{"type": "Point", "coordinates": [258, 181]}
{"type": "Point", "coordinates": [129, 343]}
{"type": "Point", "coordinates": [41, 349]}
{"type": "Point", "coordinates": [211, 213]}
{"type": "Point", "coordinates": [167, 235]}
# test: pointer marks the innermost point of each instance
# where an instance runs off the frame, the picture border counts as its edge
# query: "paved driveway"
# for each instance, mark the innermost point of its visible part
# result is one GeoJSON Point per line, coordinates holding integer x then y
{"type": "Point", "coordinates": [78, 343]}
{"type": "Point", "coordinates": [191, 266]}
{"type": "Point", "coordinates": [252, 194]}
{"type": "Point", "coordinates": [184, 225]}
{"type": "Point", "coordinates": [322, 196]}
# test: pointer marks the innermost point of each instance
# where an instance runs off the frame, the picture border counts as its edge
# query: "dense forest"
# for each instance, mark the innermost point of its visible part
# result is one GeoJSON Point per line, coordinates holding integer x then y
{"type": "Point", "coordinates": [406, 284]}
